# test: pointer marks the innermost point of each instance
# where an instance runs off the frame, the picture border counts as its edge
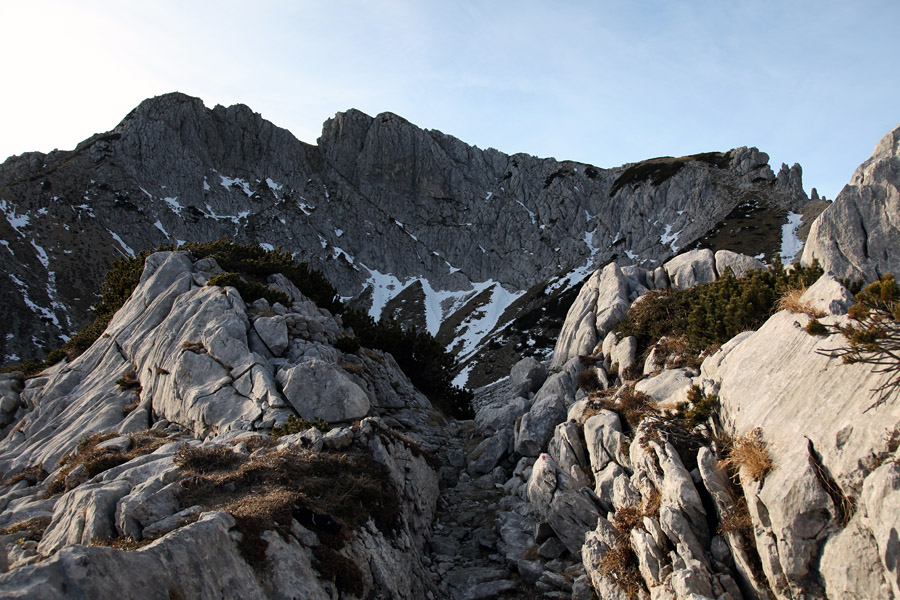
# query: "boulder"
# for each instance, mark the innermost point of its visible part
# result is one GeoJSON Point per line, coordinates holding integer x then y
{"type": "Point", "coordinates": [600, 305]}
{"type": "Point", "coordinates": [274, 333]}
{"type": "Point", "coordinates": [528, 372]}
{"type": "Point", "coordinates": [828, 295]}
{"type": "Point", "coordinates": [738, 264]}
{"type": "Point", "coordinates": [691, 268]}
{"type": "Point", "coordinates": [318, 390]}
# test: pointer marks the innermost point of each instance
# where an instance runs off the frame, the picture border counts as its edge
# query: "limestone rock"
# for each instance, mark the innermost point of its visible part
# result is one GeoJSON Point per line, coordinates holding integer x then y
{"type": "Point", "coordinates": [318, 390]}
{"type": "Point", "coordinates": [856, 236]}
{"type": "Point", "coordinates": [601, 303]}
{"type": "Point", "coordinates": [530, 372]}
{"type": "Point", "coordinates": [273, 332]}
{"type": "Point", "coordinates": [828, 295]}
{"type": "Point", "coordinates": [738, 264]}
{"type": "Point", "coordinates": [83, 515]}
{"type": "Point", "coordinates": [691, 268]}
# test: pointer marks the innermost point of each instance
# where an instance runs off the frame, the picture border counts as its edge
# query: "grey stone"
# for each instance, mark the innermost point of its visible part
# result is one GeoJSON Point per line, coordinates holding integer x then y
{"type": "Point", "coordinates": [338, 438]}
{"type": "Point", "coordinates": [318, 390]}
{"type": "Point", "coordinates": [738, 264]}
{"type": "Point", "coordinates": [691, 268]}
{"type": "Point", "coordinates": [173, 522]}
{"type": "Point", "coordinates": [856, 236]}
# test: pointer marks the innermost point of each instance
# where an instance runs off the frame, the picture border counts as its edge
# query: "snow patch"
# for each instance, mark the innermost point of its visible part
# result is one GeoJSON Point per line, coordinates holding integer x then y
{"type": "Point", "coordinates": [791, 244]}
{"type": "Point", "coordinates": [484, 319]}
{"type": "Point", "coordinates": [174, 205]}
{"type": "Point", "coordinates": [122, 243]}
{"type": "Point", "coordinates": [272, 185]}
{"type": "Point", "coordinates": [578, 274]}
{"type": "Point", "coordinates": [41, 254]}
{"type": "Point", "coordinates": [5, 244]}
{"type": "Point", "coordinates": [16, 221]}
{"type": "Point", "coordinates": [268, 247]}
{"type": "Point", "coordinates": [159, 226]}
{"type": "Point", "coordinates": [529, 211]}
{"type": "Point", "coordinates": [338, 232]}
{"type": "Point", "coordinates": [668, 238]}
{"type": "Point", "coordinates": [462, 378]}
{"type": "Point", "coordinates": [44, 312]}
{"type": "Point", "coordinates": [229, 182]}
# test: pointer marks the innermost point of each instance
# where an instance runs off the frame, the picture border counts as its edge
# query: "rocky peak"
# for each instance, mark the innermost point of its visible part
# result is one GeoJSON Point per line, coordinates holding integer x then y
{"type": "Point", "coordinates": [462, 232]}
{"type": "Point", "coordinates": [856, 235]}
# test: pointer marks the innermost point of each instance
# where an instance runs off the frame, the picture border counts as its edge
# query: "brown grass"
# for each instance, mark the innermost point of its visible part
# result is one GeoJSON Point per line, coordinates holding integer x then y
{"type": "Point", "coordinates": [129, 381]}
{"type": "Point", "coordinates": [790, 301]}
{"type": "Point", "coordinates": [620, 563]}
{"type": "Point", "coordinates": [33, 529]}
{"type": "Point", "coordinates": [125, 542]}
{"type": "Point", "coordinates": [33, 475]}
{"type": "Point", "coordinates": [96, 462]}
{"type": "Point", "coordinates": [195, 347]}
{"type": "Point", "coordinates": [630, 405]}
{"type": "Point", "coordinates": [588, 381]}
{"type": "Point", "coordinates": [352, 367]}
{"type": "Point", "coordinates": [262, 491]}
{"type": "Point", "coordinates": [750, 454]}
{"type": "Point", "coordinates": [199, 460]}
{"type": "Point", "coordinates": [340, 570]}
{"type": "Point", "coordinates": [737, 520]}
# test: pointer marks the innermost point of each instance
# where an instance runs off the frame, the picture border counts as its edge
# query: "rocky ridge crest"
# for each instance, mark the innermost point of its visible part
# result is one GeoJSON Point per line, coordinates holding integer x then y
{"type": "Point", "coordinates": [462, 233]}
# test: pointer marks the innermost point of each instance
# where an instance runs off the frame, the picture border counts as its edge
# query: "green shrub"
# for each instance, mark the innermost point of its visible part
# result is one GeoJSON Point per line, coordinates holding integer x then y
{"type": "Point", "coordinates": [712, 313]}
{"type": "Point", "coordinates": [348, 345]}
{"type": "Point", "coordinates": [250, 291]}
{"type": "Point", "coordinates": [872, 334]}
{"type": "Point", "coordinates": [295, 424]}
{"type": "Point", "coordinates": [696, 410]}
{"type": "Point", "coordinates": [815, 327]}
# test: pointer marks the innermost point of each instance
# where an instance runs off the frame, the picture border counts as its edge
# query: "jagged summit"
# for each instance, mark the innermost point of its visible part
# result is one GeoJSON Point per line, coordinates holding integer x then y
{"type": "Point", "coordinates": [406, 222]}
{"type": "Point", "coordinates": [857, 235]}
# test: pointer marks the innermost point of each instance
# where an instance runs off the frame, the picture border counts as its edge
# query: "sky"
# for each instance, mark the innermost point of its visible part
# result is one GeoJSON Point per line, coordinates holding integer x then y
{"type": "Point", "coordinates": [600, 82]}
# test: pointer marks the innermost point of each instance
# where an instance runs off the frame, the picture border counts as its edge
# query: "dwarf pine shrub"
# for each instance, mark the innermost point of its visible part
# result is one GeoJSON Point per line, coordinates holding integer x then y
{"type": "Point", "coordinates": [712, 313]}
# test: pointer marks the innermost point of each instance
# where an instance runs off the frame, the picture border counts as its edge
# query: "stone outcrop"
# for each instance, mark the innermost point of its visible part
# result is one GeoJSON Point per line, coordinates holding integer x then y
{"type": "Point", "coordinates": [173, 374]}
{"type": "Point", "coordinates": [856, 237]}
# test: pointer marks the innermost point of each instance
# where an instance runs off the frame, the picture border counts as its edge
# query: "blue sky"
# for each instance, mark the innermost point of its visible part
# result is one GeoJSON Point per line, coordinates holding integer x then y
{"type": "Point", "coordinates": [602, 82]}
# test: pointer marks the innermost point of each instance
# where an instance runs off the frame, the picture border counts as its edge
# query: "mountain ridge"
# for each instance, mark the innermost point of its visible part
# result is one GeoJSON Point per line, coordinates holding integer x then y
{"type": "Point", "coordinates": [451, 220]}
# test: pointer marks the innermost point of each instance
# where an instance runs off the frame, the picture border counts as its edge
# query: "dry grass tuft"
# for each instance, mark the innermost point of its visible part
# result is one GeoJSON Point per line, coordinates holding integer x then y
{"type": "Point", "coordinates": [32, 529]}
{"type": "Point", "coordinates": [125, 542]}
{"type": "Point", "coordinates": [263, 492]}
{"type": "Point", "coordinates": [749, 454]}
{"type": "Point", "coordinates": [588, 381]}
{"type": "Point", "coordinates": [790, 301]}
{"type": "Point", "coordinates": [620, 563]}
{"type": "Point", "coordinates": [633, 406]}
{"type": "Point", "coordinates": [199, 460]}
{"type": "Point", "coordinates": [737, 520]}
{"type": "Point", "coordinates": [95, 461]}
{"type": "Point", "coordinates": [129, 381]}
{"type": "Point", "coordinates": [33, 475]}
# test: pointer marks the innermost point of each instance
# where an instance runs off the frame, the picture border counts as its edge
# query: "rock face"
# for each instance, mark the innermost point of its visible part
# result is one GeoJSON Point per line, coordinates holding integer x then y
{"type": "Point", "coordinates": [451, 220]}
{"type": "Point", "coordinates": [857, 235]}
{"type": "Point", "coordinates": [112, 454]}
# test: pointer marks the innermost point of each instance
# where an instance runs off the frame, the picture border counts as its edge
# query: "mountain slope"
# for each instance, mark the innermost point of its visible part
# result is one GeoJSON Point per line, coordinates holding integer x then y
{"type": "Point", "coordinates": [405, 220]}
